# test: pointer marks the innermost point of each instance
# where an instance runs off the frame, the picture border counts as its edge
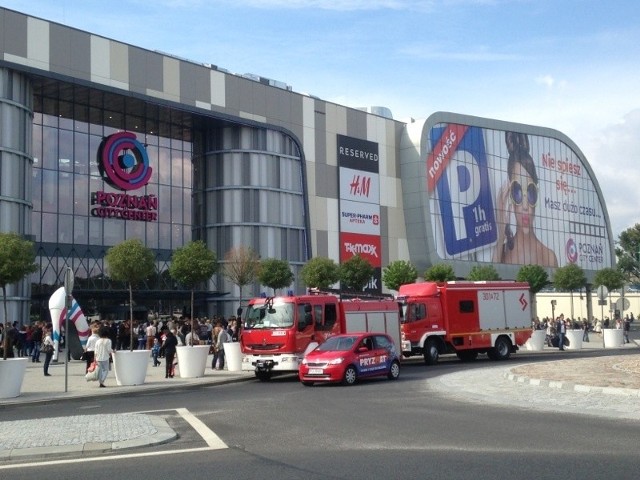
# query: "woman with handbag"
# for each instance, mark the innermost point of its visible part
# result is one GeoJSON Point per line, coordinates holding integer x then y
{"type": "Point", "coordinates": [47, 349]}
{"type": "Point", "coordinates": [102, 353]}
{"type": "Point", "coordinates": [89, 349]}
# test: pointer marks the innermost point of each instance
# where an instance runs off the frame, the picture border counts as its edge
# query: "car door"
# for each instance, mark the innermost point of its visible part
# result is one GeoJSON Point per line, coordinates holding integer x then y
{"type": "Point", "coordinates": [368, 357]}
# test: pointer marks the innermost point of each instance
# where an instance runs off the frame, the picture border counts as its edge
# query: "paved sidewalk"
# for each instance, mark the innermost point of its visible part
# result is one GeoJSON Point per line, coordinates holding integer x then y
{"type": "Point", "coordinates": [38, 388]}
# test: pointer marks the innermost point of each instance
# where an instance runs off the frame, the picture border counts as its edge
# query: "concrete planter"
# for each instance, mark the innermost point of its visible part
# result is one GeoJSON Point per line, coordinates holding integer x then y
{"type": "Point", "coordinates": [575, 339]}
{"type": "Point", "coordinates": [192, 360]}
{"type": "Point", "coordinates": [536, 341]}
{"type": "Point", "coordinates": [232, 356]}
{"type": "Point", "coordinates": [131, 366]}
{"type": "Point", "coordinates": [12, 372]}
{"type": "Point", "coordinates": [612, 337]}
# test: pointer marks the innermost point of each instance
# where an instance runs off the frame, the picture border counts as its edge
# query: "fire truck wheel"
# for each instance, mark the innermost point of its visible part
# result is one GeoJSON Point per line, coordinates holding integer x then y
{"type": "Point", "coordinates": [263, 376]}
{"type": "Point", "coordinates": [394, 371]}
{"type": "Point", "coordinates": [502, 349]}
{"type": "Point", "coordinates": [350, 375]}
{"type": "Point", "coordinates": [431, 352]}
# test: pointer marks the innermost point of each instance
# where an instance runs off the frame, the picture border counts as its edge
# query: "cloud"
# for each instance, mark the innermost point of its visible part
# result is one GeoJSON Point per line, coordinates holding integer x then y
{"type": "Point", "coordinates": [550, 82]}
{"type": "Point", "coordinates": [615, 154]}
{"type": "Point", "coordinates": [441, 52]}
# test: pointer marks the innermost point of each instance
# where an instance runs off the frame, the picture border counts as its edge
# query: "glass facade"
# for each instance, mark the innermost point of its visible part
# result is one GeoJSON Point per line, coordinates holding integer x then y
{"type": "Point", "coordinates": [15, 168]}
{"type": "Point", "coordinates": [69, 125]}
{"type": "Point", "coordinates": [247, 189]}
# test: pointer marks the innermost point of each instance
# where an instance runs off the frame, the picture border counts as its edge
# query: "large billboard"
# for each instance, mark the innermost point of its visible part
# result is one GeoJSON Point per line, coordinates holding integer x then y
{"type": "Point", "coordinates": [360, 204]}
{"type": "Point", "coordinates": [509, 197]}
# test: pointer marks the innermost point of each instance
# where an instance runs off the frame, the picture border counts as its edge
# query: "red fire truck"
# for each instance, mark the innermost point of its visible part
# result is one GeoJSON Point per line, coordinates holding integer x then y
{"type": "Point", "coordinates": [278, 331]}
{"type": "Point", "coordinates": [465, 318]}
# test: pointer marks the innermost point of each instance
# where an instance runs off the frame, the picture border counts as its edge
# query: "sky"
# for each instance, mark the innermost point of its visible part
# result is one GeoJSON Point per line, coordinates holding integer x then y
{"type": "Point", "coordinates": [569, 65]}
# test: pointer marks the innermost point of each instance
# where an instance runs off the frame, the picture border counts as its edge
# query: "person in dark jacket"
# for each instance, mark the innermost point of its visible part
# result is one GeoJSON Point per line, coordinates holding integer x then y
{"type": "Point", "coordinates": [170, 344]}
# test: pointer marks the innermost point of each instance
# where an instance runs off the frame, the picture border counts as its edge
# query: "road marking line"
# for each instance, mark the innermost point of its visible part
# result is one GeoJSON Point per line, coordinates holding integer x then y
{"type": "Point", "coordinates": [205, 432]}
{"type": "Point", "coordinates": [103, 459]}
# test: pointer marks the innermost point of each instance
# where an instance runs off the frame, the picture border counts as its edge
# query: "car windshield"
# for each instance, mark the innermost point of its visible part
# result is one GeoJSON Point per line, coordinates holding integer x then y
{"type": "Point", "coordinates": [337, 344]}
{"type": "Point", "coordinates": [269, 315]}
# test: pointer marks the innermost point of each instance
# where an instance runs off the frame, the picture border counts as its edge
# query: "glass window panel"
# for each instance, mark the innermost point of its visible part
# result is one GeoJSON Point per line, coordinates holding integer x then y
{"type": "Point", "coordinates": [176, 205]}
{"type": "Point", "coordinates": [80, 157]}
{"type": "Point", "coordinates": [113, 232]}
{"type": "Point", "coordinates": [65, 229]}
{"type": "Point", "coordinates": [152, 234]}
{"type": "Point", "coordinates": [136, 229]}
{"type": "Point", "coordinates": [65, 192]}
{"type": "Point", "coordinates": [92, 157]}
{"type": "Point", "coordinates": [49, 191]}
{"type": "Point", "coordinates": [49, 148]}
{"type": "Point", "coordinates": [36, 225]}
{"type": "Point", "coordinates": [164, 199]}
{"type": "Point", "coordinates": [164, 166]}
{"type": "Point", "coordinates": [95, 230]}
{"type": "Point", "coordinates": [49, 228]}
{"type": "Point", "coordinates": [81, 199]}
{"type": "Point", "coordinates": [164, 240]}
{"type": "Point", "coordinates": [80, 230]}
{"type": "Point", "coordinates": [176, 236]}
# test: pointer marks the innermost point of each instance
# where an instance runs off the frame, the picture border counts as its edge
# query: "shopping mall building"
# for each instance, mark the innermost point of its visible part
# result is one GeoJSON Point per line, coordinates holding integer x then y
{"type": "Point", "coordinates": [101, 141]}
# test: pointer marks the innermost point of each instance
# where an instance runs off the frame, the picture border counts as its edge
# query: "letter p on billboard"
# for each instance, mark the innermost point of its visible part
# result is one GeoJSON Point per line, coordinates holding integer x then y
{"type": "Point", "coordinates": [459, 187]}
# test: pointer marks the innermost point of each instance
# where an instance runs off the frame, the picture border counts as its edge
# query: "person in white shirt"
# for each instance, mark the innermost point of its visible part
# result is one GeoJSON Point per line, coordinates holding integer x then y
{"type": "Point", "coordinates": [89, 349]}
{"type": "Point", "coordinates": [103, 352]}
{"type": "Point", "coordinates": [151, 334]}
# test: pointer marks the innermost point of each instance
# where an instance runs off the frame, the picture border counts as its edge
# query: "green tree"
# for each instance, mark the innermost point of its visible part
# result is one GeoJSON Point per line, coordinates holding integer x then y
{"type": "Point", "coordinates": [628, 253]}
{"type": "Point", "coordinates": [130, 262]}
{"type": "Point", "coordinates": [483, 272]}
{"type": "Point", "coordinates": [355, 273]}
{"type": "Point", "coordinates": [275, 273]}
{"type": "Point", "coordinates": [320, 273]}
{"type": "Point", "coordinates": [190, 265]}
{"type": "Point", "coordinates": [537, 278]}
{"type": "Point", "coordinates": [440, 272]}
{"type": "Point", "coordinates": [570, 277]}
{"type": "Point", "coordinates": [612, 278]}
{"type": "Point", "coordinates": [17, 260]}
{"type": "Point", "coordinates": [241, 267]}
{"type": "Point", "coordinates": [398, 273]}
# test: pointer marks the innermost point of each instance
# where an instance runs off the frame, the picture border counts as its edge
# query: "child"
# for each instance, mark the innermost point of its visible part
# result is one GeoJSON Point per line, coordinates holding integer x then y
{"type": "Point", "coordinates": [155, 351]}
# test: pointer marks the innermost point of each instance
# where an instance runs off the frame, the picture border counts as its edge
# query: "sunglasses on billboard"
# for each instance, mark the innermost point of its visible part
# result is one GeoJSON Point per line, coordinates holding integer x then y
{"type": "Point", "coordinates": [517, 193]}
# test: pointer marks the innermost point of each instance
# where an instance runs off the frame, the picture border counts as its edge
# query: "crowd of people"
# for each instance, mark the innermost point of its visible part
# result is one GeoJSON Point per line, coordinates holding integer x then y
{"type": "Point", "coordinates": [159, 335]}
{"type": "Point", "coordinates": [556, 328]}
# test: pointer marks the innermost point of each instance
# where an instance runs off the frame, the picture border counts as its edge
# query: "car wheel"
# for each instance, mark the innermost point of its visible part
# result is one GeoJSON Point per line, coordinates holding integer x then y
{"type": "Point", "coordinates": [394, 370]}
{"type": "Point", "coordinates": [307, 384]}
{"type": "Point", "coordinates": [431, 353]}
{"type": "Point", "coordinates": [350, 375]}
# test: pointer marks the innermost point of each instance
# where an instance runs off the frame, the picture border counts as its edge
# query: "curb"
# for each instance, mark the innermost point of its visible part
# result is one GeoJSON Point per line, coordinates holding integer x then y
{"type": "Point", "coordinates": [117, 390]}
{"type": "Point", "coordinates": [568, 386]}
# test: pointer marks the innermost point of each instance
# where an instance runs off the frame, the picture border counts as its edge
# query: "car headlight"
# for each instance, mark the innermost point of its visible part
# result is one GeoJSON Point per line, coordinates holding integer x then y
{"type": "Point", "coordinates": [304, 361]}
{"type": "Point", "coordinates": [336, 361]}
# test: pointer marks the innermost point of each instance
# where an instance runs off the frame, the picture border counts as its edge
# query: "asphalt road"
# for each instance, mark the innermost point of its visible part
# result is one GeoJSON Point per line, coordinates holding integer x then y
{"type": "Point", "coordinates": [378, 429]}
